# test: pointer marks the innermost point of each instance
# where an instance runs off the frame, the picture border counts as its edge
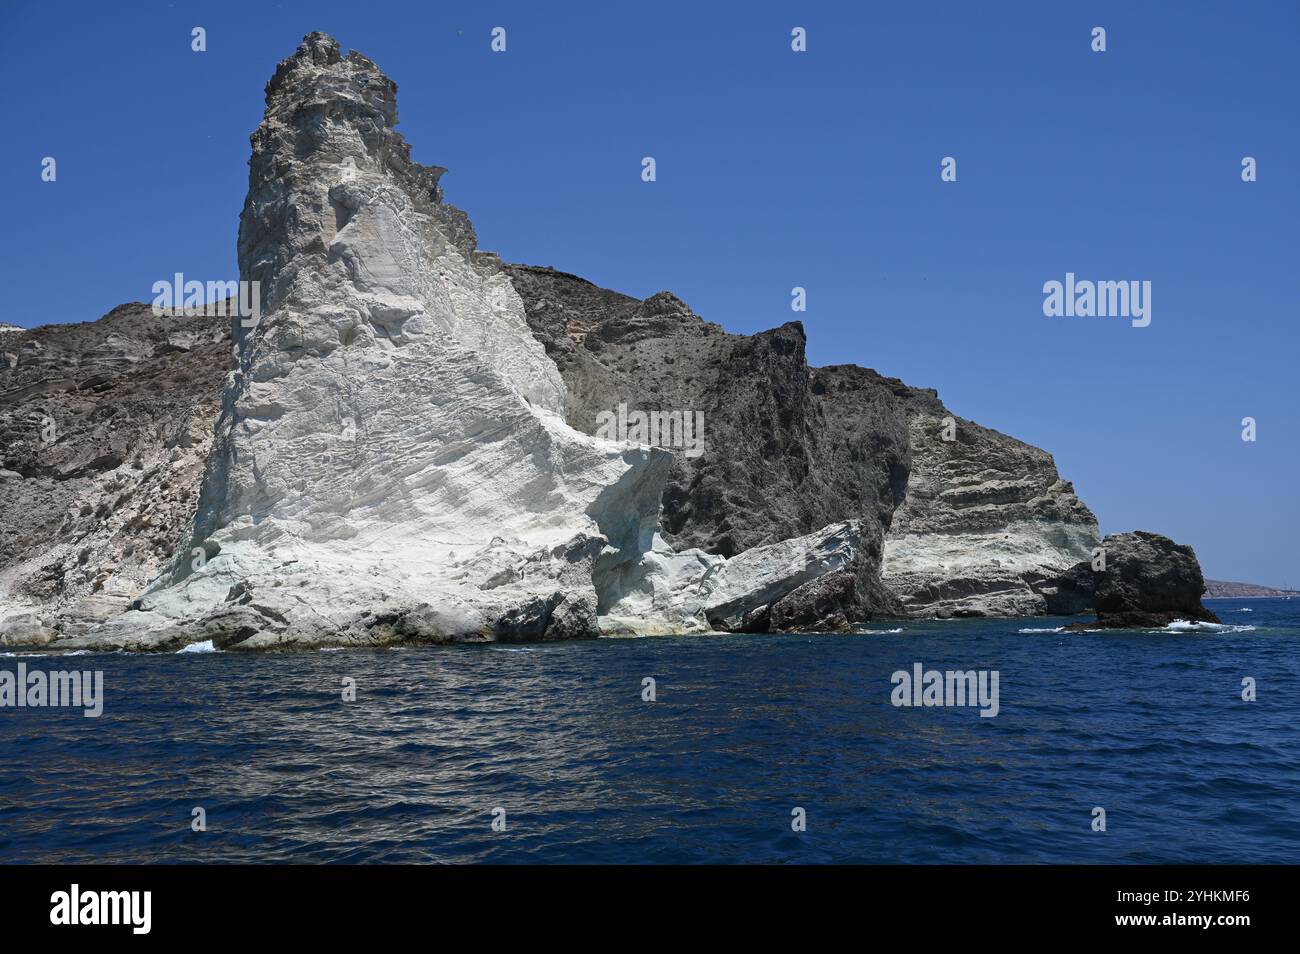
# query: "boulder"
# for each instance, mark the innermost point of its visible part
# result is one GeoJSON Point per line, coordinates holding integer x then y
{"type": "Point", "coordinates": [1148, 581]}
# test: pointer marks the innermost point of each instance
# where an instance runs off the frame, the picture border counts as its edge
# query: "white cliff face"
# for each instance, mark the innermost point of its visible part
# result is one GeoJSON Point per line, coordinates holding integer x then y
{"type": "Point", "coordinates": [390, 459]}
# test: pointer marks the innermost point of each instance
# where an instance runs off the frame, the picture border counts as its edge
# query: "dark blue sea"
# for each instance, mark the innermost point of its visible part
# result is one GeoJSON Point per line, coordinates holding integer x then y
{"type": "Point", "coordinates": [1151, 727]}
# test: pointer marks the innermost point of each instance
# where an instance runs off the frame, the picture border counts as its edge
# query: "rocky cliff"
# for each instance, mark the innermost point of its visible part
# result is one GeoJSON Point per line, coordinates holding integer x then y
{"type": "Point", "coordinates": [1225, 589]}
{"type": "Point", "coordinates": [786, 448]}
{"type": "Point", "coordinates": [987, 524]}
{"type": "Point", "coordinates": [958, 519]}
{"type": "Point", "coordinates": [390, 459]}
{"type": "Point", "coordinates": [105, 428]}
{"type": "Point", "coordinates": [413, 443]}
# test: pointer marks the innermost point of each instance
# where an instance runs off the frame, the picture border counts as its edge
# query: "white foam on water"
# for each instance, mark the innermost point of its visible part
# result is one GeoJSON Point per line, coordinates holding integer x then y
{"type": "Point", "coordinates": [1052, 629]}
{"type": "Point", "coordinates": [880, 632]}
{"type": "Point", "coordinates": [1187, 626]}
{"type": "Point", "coordinates": [202, 647]}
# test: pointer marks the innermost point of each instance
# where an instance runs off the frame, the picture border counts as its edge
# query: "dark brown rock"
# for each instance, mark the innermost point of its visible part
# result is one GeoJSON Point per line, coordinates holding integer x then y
{"type": "Point", "coordinates": [1148, 581]}
{"type": "Point", "coordinates": [106, 456]}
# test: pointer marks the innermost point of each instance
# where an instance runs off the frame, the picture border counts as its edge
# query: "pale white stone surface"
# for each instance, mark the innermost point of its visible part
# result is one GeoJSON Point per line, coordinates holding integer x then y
{"type": "Point", "coordinates": [390, 459]}
{"type": "Point", "coordinates": [693, 591]}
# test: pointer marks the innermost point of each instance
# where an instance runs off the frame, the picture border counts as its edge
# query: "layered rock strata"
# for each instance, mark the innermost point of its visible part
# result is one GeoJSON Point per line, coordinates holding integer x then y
{"type": "Point", "coordinates": [390, 461]}
{"type": "Point", "coordinates": [987, 524]}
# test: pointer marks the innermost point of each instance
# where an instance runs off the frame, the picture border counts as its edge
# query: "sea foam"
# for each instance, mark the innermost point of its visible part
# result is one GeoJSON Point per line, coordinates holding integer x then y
{"type": "Point", "coordinates": [202, 647]}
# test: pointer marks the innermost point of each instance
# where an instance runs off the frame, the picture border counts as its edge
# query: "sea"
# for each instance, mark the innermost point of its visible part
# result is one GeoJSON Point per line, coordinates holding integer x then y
{"type": "Point", "coordinates": [1166, 746]}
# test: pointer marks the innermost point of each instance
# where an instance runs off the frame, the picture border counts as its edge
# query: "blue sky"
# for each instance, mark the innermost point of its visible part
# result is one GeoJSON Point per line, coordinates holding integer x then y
{"type": "Point", "coordinates": [776, 169]}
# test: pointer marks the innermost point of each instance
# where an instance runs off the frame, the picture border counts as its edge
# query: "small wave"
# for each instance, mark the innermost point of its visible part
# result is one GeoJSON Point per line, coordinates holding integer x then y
{"type": "Point", "coordinates": [879, 632]}
{"type": "Point", "coordinates": [1187, 626]}
{"type": "Point", "coordinates": [1244, 609]}
{"type": "Point", "coordinates": [201, 647]}
{"type": "Point", "coordinates": [332, 649]}
{"type": "Point", "coordinates": [24, 655]}
{"type": "Point", "coordinates": [1052, 629]}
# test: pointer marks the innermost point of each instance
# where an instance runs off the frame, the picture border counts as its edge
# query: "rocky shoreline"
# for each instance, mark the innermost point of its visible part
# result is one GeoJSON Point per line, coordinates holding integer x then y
{"type": "Point", "coordinates": [409, 446]}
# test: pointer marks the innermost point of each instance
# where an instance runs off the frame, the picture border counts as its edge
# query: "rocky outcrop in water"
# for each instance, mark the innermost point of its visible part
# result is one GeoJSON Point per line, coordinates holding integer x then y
{"type": "Point", "coordinates": [1147, 581]}
{"type": "Point", "coordinates": [389, 460]}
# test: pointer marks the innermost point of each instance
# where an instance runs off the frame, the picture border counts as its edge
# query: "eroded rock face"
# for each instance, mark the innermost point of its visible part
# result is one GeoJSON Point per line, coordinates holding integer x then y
{"type": "Point", "coordinates": [755, 591]}
{"type": "Point", "coordinates": [105, 428]}
{"type": "Point", "coordinates": [391, 460]}
{"type": "Point", "coordinates": [788, 449]}
{"type": "Point", "coordinates": [987, 524]}
{"type": "Point", "coordinates": [1148, 581]}
{"type": "Point", "coordinates": [978, 526]}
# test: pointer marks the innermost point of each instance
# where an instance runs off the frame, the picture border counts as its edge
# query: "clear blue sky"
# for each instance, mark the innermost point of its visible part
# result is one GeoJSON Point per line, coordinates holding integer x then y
{"type": "Point", "coordinates": [774, 170]}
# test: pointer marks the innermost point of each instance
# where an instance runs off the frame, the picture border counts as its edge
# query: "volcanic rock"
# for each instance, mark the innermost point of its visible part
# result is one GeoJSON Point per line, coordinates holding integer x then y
{"type": "Point", "coordinates": [100, 481]}
{"type": "Point", "coordinates": [1148, 581]}
{"type": "Point", "coordinates": [987, 523]}
{"type": "Point", "coordinates": [976, 526]}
